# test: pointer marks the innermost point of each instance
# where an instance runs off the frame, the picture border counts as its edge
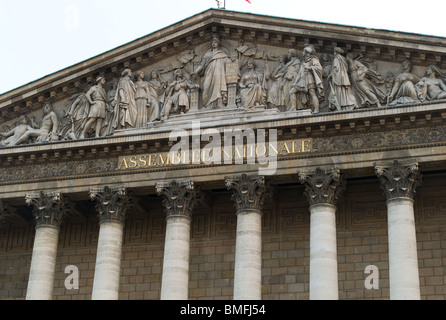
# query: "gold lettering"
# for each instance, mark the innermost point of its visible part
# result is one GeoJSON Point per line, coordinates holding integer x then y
{"type": "Point", "coordinates": [257, 150]}
{"type": "Point", "coordinates": [123, 163]}
{"type": "Point", "coordinates": [236, 150]}
{"type": "Point", "coordinates": [206, 156]}
{"type": "Point", "coordinates": [196, 153]}
{"type": "Point", "coordinates": [272, 147]}
{"type": "Point", "coordinates": [251, 154]}
{"type": "Point", "coordinates": [306, 145]}
{"type": "Point", "coordinates": [284, 148]}
{"type": "Point", "coordinates": [151, 160]}
{"type": "Point", "coordinates": [164, 161]}
{"type": "Point", "coordinates": [142, 161]}
{"type": "Point", "coordinates": [177, 156]}
{"type": "Point", "coordinates": [225, 154]}
{"type": "Point", "coordinates": [132, 160]}
{"type": "Point", "coordinates": [185, 157]}
{"type": "Point", "coordinates": [294, 147]}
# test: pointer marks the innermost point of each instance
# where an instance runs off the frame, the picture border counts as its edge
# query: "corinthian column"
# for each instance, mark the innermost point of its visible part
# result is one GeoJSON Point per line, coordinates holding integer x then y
{"type": "Point", "coordinates": [111, 204]}
{"type": "Point", "coordinates": [399, 183]}
{"type": "Point", "coordinates": [48, 210]}
{"type": "Point", "coordinates": [322, 190]}
{"type": "Point", "coordinates": [249, 194]}
{"type": "Point", "coordinates": [179, 200]}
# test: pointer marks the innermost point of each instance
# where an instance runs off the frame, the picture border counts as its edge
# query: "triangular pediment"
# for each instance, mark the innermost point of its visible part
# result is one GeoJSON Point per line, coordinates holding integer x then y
{"type": "Point", "coordinates": [377, 55]}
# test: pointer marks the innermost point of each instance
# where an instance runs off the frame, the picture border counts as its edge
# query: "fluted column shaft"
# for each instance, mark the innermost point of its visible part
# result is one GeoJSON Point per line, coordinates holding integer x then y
{"type": "Point", "coordinates": [323, 253]}
{"type": "Point", "coordinates": [322, 190]}
{"type": "Point", "coordinates": [249, 194]}
{"type": "Point", "coordinates": [399, 183]}
{"type": "Point", "coordinates": [48, 212]}
{"type": "Point", "coordinates": [175, 278]}
{"type": "Point", "coordinates": [179, 199]}
{"type": "Point", "coordinates": [111, 205]}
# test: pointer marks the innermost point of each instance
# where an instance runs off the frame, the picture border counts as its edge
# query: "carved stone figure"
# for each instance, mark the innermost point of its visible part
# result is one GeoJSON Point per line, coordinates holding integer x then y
{"type": "Point", "coordinates": [275, 93]}
{"type": "Point", "coordinates": [430, 87]}
{"type": "Point", "coordinates": [108, 126]}
{"type": "Point", "coordinates": [77, 110]}
{"type": "Point", "coordinates": [48, 130]}
{"type": "Point", "coordinates": [14, 134]}
{"type": "Point", "coordinates": [252, 91]}
{"type": "Point", "coordinates": [291, 70]}
{"type": "Point", "coordinates": [389, 80]}
{"type": "Point", "coordinates": [340, 96]}
{"type": "Point", "coordinates": [97, 98]}
{"type": "Point", "coordinates": [326, 62]}
{"type": "Point", "coordinates": [142, 100]}
{"type": "Point", "coordinates": [177, 100]}
{"type": "Point", "coordinates": [404, 90]}
{"type": "Point", "coordinates": [124, 103]}
{"type": "Point", "coordinates": [213, 63]}
{"type": "Point", "coordinates": [367, 84]}
{"type": "Point", "coordinates": [249, 51]}
{"type": "Point", "coordinates": [308, 88]}
{"type": "Point", "coordinates": [157, 87]}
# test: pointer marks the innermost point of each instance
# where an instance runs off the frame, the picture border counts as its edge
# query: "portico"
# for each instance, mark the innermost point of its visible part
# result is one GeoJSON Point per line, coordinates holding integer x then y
{"type": "Point", "coordinates": [227, 199]}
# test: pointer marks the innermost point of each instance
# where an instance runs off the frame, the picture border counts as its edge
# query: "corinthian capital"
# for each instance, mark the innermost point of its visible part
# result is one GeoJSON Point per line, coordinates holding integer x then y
{"type": "Point", "coordinates": [179, 198]}
{"type": "Point", "coordinates": [111, 203]}
{"type": "Point", "coordinates": [48, 208]}
{"type": "Point", "coordinates": [248, 192]}
{"type": "Point", "coordinates": [398, 180]}
{"type": "Point", "coordinates": [322, 187]}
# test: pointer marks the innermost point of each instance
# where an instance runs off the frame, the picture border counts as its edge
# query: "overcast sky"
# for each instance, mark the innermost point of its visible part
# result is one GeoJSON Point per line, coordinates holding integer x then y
{"type": "Point", "coordinates": [41, 37]}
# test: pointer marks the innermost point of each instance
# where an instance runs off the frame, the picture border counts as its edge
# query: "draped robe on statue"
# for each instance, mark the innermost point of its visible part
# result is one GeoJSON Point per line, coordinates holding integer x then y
{"type": "Point", "coordinates": [214, 82]}
{"type": "Point", "coordinates": [125, 117]}
{"type": "Point", "coordinates": [340, 96]}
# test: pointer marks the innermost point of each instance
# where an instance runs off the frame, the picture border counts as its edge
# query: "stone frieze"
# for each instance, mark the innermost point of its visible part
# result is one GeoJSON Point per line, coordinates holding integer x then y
{"type": "Point", "coordinates": [320, 146]}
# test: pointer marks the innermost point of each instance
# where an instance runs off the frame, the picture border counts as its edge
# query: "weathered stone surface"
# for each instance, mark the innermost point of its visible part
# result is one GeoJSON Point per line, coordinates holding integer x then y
{"type": "Point", "coordinates": [229, 71]}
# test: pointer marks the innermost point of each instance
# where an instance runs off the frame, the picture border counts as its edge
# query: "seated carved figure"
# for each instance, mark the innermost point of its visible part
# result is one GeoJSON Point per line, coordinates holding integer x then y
{"type": "Point", "coordinates": [404, 90]}
{"type": "Point", "coordinates": [177, 100]}
{"type": "Point", "coordinates": [14, 134]}
{"type": "Point", "coordinates": [48, 131]}
{"type": "Point", "coordinates": [252, 93]}
{"type": "Point", "coordinates": [430, 87]}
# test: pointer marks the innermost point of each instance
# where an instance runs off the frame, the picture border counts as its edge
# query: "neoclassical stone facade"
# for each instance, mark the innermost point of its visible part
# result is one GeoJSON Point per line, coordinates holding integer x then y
{"type": "Point", "coordinates": [230, 156]}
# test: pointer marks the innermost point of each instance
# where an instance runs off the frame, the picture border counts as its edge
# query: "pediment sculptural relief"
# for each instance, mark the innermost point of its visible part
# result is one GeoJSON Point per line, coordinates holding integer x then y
{"type": "Point", "coordinates": [226, 74]}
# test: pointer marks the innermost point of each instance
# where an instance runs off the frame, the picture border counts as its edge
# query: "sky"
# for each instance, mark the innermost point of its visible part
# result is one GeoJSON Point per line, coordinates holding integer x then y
{"type": "Point", "coordinates": [41, 37]}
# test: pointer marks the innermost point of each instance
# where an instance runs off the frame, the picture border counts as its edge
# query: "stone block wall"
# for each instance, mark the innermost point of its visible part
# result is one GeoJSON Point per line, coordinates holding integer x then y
{"type": "Point", "coordinates": [361, 241]}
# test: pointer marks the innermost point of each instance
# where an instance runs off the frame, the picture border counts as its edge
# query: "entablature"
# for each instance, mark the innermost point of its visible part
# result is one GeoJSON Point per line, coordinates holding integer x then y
{"type": "Point", "coordinates": [360, 100]}
{"type": "Point", "coordinates": [287, 126]}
